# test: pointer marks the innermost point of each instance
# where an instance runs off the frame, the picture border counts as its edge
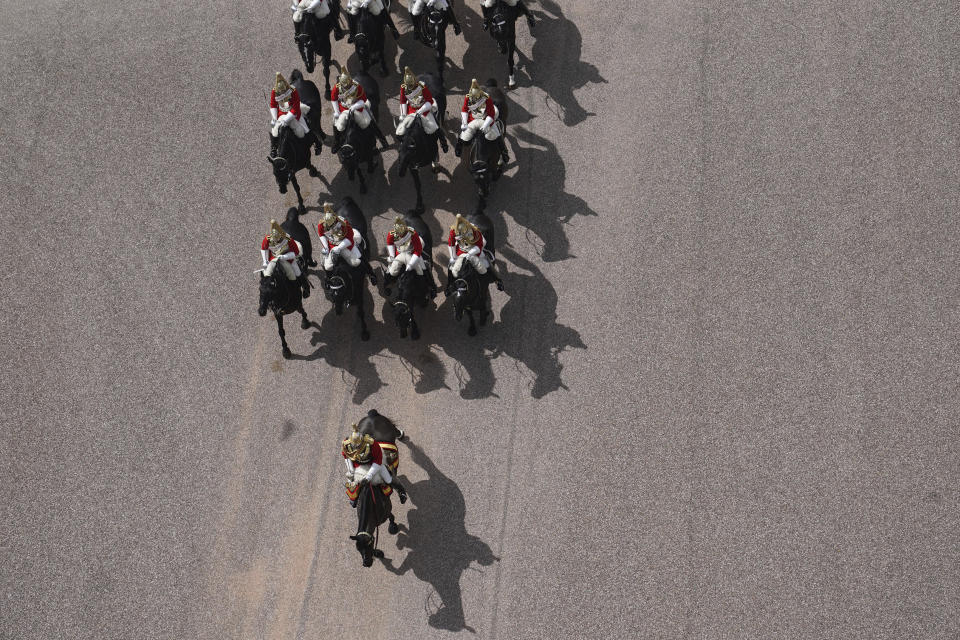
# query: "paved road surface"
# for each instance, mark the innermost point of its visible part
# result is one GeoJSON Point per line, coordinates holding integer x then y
{"type": "Point", "coordinates": [717, 400]}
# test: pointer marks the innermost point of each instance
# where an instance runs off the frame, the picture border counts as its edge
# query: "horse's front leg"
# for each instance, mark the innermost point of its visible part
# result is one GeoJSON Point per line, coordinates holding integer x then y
{"type": "Point", "coordinates": [415, 172]}
{"type": "Point", "coordinates": [414, 329]}
{"type": "Point", "coordinates": [472, 331]}
{"type": "Point", "coordinates": [364, 332]}
{"type": "Point", "coordinates": [283, 335]}
{"type": "Point", "coordinates": [326, 76]}
{"type": "Point", "coordinates": [305, 322]}
{"type": "Point", "coordinates": [363, 181]}
{"type": "Point", "coordinates": [512, 49]}
{"type": "Point", "coordinates": [296, 187]}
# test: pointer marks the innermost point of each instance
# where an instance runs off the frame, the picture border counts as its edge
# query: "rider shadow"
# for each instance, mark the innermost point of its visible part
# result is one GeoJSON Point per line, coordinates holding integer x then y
{"type": "Point", "coordinates": [439, 548]}
{"type": "Point", "coordinates": [557, 66]}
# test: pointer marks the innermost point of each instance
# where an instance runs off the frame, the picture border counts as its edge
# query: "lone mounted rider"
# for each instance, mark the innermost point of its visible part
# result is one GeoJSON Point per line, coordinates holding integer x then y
{"type": "Point", "coordinates": [487, 7]}
{"type": "Point", "coordinates": [480, 114]}
{"type": "Point", "coordinates": [286, 111]}
{"type": "Point", "coordinates": [349, 100]}
{"type": "Point", "coordinates": [376, 9]}
{"type": "Point", "coordinates": [405, 252]}
{"type": "Point", "coordinates": [466, 244]}
{"type": "Point", "coordinates": [416, 100]}
{"type": "Point", "coordinates": [279, 248]}
{"type": "Point", "coordinates": [361, 449]}
{"type": "Point", "coordinates": [338, 239]}
{"type": "Point", "coordinates": [320, 9]}
{"type": "Point", "coordinates": [443, 6]}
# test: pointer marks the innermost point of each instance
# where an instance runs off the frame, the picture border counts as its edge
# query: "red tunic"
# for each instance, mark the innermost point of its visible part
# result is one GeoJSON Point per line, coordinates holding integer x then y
{"type": "Point", "coordinates": [489, 110]}
{"type": "Point", "coordinates": [291, 246]}
{"type": "Point", "coordinates": [294, 103]}
{"type": "Point", "coordinates": [335, 96]}
{"type": "Point", "coordinates": [376, 455]}
{"type": "Point", "coordinates": [452, 241]}
{"type": "Point", "coordinates": [416, 246]}
{"type": "Point", "coordinates": [344, 227]}
{"type": "Point", "coordinates": [409, 108]}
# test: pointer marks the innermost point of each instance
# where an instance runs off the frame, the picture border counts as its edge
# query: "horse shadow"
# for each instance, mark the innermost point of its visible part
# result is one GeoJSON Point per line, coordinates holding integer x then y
{"type": "Point", "coordinates": [557, 66]}
{"type": "Point", "coordinates": [439, 549]}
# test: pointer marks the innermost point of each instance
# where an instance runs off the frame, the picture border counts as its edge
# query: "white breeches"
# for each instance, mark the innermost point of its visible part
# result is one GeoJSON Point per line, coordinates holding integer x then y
{"type": "Point", "coordinates": [480, 263]}
{"type": "Point", "coordinates": [320, 9]}
{"type": "Point", "coordinates": [352, 256]}
{"type": "Point", "coordinates": [381, 474]}
{"type": "Point", "coordinates": [299, 127]}
{"type": "Point", "coordinates": [361, 116]}
{"type": "Point", "coordinates": [474, 125]}
{"type": "Point", "coordinates": [429, 123]}
{"type": "Point", "coordinates": [289, 267]}
{"type": "Point", "coordinates": [373, 6]}
{"type": "Point", "coordinates": [490, 3]}
{"type": "Point", "coordinates": [411, 260]}
{"type": "Point", "coordinates": [416, 7]}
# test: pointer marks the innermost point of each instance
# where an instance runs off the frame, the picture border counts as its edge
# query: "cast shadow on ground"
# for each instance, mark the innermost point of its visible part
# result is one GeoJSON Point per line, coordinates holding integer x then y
{"type": "Point", "coordinates": [439, 549]}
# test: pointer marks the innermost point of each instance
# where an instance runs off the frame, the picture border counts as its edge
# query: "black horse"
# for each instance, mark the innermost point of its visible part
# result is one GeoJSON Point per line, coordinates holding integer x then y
{"type": "Point", "coordinates": [417, 147]}
{"type": "Point", "coordinates": [486, 157]}
{"type": "Point", "coordinates": [282, 296]}
{"type": "Point", "coordinates": [412, 289]}
{"type": "Point", "coordinates": [312, 36]}
{"type": "Point", "coordinates": [360, 145]}
{"type": "Point", "coordinates": [470, 290]}
{"type": "Point", "coordinates": [374, 508]}
{"type": "Point", "coordinates": [296, 230]}
{"type": "Point", "coordinates": [292, 154]}
{"type": "Point", "coordinates": [344, 285]}
{"type": "Point", "coordinates": [502, 22]}
{"type": "Point", "coordinates": [431, 30]}
{"type": "Point", "coordinates": [369, 40]}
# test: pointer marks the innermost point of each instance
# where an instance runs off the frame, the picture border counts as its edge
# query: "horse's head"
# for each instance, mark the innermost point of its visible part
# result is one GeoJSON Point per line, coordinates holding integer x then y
{"type": "Point", "coordinates": [433, 24]}
{"type": "Point", "coordinates": [500, 24]}
{"type": "Point", "coordinates": [406, 294]}
{"type": "Point", "coordinates": [366, 524]}
{"type": "Point", "coordinates": [339, 286]}
{"type": "Point", "coordinates": [465, 289]}
{"type": "Point", "coordinates": [268, 293]}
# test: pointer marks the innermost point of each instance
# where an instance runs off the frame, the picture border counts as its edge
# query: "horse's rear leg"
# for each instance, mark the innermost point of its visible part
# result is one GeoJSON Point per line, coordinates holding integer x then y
{"type": "Point", "coordinates": [393, 528]}
{"type": "Point", "coordinates": [512, 80]}
{"type": "Point", "coordinates": [326, 76]}
{"type": "Point", "coordinates": [305, 322]}
{"type": "Point", "coordinates": [415, 172]}
{"type": "Point", "coordinates": [283, 335]}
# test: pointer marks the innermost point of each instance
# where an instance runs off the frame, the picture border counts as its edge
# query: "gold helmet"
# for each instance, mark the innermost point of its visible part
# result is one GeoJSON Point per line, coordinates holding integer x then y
{"type": "Point", "coordinates": [344, 81]}
{"type": "Point", "coordinates": [400, 227]}
{"type": "Point", "coordinates": [409, 80]}
{"type": "Point", "coordinates": [331, 221]}
{"type": "Point", "coordinates": [476, 93]}
{"type": "Point", "coordinates": [281, 88]}
{"type": "Point", "coordinates": [357, 446]}
{"type": "Point", "coordinates": [278, 237]}
{"type": "Point", "coordinates": [463, 231]}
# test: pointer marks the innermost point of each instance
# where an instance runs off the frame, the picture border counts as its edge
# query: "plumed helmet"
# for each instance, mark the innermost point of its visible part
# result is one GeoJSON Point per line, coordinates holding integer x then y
{"type": "Point", "coordinates": [476, 93]}
{"type": "Point", "coordinates": [400, 227]}
{"type": "Point", "coordinates": [357, 446]}
{"type": "Point", "coordinates": [281, 88]}
{"type": "Point", "coordinates": [277, 234]}
{"type": "Point", "coordinates": [330, 218]}
{"type": "Point", "coordinates": [463, 230]}
{"type": "Point", "coordinates": [344, 80]}
{"type": "Point", "coordinates": [409, 79]}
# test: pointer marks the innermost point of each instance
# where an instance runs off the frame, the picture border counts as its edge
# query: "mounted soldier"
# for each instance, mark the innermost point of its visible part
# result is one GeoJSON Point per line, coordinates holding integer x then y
{"type": "Point", "coordinates": [279, 248]}
{"type": "Point", "coordinates": [376, 8]}
{"type": "Point", "coordinates": [350, 102]}
{"type": "Point", "coordinates": [479, 113]}
{"type": "Point", "coordinates": [404, 251]}
{"type": "Point", "coordinates": [337, 240]}
{"type": "Point", "coordinates": [319, 9]}
{"type": "Point", "coordinates": [466, 244]}
{"type": "Point", "coordinates": [443, 6]}
{"type": "Point", "coordinates": [369, 462]}
{"type": "Point", "coordinates": [287, 111]}
{"type": "Point", "coordinates": [416, 100]}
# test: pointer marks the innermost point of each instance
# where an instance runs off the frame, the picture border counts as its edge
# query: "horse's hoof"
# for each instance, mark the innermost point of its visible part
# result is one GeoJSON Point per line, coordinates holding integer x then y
{"type": "Point", "coordinates": [393, 528]}
{"type": "Point", "coordinates": [304, 324]}
{"type": "Point", "coordinates": [368, 563]}
{"type": "Point", "coordinates": [287, 354]}
{"type": "Point", "coordinates": [435, 166]}
{"type": "Point", "coordinates": [313, 172]}
{"type": "Point", "coordinates": [365, 335]}
{"type": "Point", "coordinates": [512, 83]}
{"type": "Point", "coordinates": [472, 331]}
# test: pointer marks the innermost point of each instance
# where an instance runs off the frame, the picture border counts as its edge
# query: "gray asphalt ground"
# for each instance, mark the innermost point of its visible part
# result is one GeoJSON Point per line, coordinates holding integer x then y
{"type": "Point", "coordinates": [718, 398]}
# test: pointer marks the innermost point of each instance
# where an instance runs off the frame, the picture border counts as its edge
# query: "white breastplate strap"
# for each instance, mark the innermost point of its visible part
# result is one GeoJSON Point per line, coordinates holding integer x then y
{"type": "Point", "coordinates": [415, 97]}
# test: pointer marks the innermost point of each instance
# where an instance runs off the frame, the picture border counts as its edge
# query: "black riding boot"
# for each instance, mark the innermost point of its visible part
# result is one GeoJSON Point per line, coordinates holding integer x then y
{"type": "Point", "coordinates": [389, 22]}
{"type": "Point", "coordinates": [433, 283]}
{"type": "Point", "coordinates": [442, 139]}
{"type": "Point", "coordinates": [317, 145]}
{"type": "Point", "coordinates": [503, 149]}
{"type": "Point", "coordinates": [352, 25]}
{"type": "Point", "coordinates": [337, 140]}
{"type": "Point", "coordinates": [487, 14]}
{"type": "Point", "coordinates": [304, 285]}
{"type": "Point", "coordinates": [452, 19]}
{"type": "Point", "coordinates": [401, 492]}
{"type": "Point", "coordinates": [493, 276]}
{"type": "Point", "coordinates": [448, 289]}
